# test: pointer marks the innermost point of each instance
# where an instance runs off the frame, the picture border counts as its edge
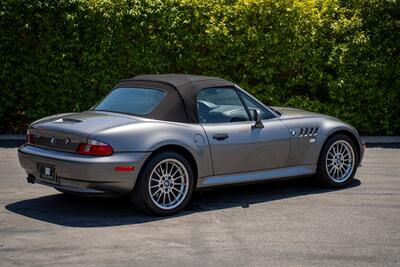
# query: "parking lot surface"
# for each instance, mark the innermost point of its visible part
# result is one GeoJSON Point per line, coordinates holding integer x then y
{"type": "Point", "coordinates": [284, 223]}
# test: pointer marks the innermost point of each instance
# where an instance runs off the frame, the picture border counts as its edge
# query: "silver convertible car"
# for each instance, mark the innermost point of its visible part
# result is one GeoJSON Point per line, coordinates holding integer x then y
{"type": "Point", "coordinates": [157, 138]}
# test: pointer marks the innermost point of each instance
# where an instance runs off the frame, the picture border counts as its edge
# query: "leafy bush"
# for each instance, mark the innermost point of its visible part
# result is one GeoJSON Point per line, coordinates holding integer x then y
{"type": "Point", "coordinates": [339, 57]}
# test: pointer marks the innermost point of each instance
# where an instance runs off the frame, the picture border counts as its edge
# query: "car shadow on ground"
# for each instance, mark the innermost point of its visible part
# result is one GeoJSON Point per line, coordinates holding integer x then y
{"type": "Point", "coordinates": [73, 211]}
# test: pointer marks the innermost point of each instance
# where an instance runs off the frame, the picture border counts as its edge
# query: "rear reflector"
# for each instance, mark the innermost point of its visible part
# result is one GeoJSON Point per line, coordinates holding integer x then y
{"type": "Point", "coordinates": [94, 148]}
{"type": "Point", "coordinates": [124, 168]}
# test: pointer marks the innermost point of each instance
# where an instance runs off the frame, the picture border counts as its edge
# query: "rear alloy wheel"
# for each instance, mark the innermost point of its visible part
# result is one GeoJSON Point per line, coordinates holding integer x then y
{"type": "Point", "coordinates": [338, 161]}
{"type": "Point", "coordinates": [165, 184]}
{"type": "Point", "coordinates": [168, 184]}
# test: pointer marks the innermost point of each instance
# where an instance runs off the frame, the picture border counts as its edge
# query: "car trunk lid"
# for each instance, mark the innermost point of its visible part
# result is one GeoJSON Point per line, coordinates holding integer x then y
{"type": "Point", "coordinates": [65, 132]}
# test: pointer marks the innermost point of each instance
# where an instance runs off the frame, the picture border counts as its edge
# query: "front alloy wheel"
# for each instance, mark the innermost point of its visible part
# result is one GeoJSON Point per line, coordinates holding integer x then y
{"type": "Point", "coordinates": [338, 161]}
{"type": "Point", "coordinates": [165, 184]}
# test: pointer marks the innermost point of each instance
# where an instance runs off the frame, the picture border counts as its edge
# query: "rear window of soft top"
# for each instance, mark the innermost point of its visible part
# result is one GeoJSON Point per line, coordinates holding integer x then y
{"type": "Point", "coordinates": [134, 100]}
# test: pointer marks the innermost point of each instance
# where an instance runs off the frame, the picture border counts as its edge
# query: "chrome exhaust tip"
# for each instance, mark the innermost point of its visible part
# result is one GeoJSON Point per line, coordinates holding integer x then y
{"type": "Point", "coordinates": [31, 179]}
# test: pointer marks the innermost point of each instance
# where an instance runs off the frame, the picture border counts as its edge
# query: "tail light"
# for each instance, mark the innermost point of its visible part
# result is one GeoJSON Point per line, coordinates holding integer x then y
{"type": "Point", "coordinates": [30, 138]}
{"type": "Point", "coordinates": [95, 148]}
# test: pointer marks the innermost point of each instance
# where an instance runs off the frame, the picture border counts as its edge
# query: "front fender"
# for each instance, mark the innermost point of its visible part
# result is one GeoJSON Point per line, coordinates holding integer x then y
{"type": "Point", "coordinates": [334, 126]}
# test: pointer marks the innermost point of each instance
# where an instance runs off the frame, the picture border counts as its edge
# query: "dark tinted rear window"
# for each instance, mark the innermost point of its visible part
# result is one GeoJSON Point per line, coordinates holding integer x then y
{"type": "Point", "coordinates": [135, 101]}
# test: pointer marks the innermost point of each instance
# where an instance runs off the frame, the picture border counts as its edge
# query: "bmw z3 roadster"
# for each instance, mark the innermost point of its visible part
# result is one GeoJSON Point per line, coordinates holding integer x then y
{"type": "Point", "coordinates": [157, 138]}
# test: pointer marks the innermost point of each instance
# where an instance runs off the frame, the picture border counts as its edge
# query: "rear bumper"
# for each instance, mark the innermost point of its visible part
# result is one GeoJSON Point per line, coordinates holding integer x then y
{"type": "Point", "coordinates": [81, 173]}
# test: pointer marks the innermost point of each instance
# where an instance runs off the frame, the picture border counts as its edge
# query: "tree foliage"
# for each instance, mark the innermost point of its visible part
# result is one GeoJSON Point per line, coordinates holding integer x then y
{"type": "Point", "coordinates": [339, 57]}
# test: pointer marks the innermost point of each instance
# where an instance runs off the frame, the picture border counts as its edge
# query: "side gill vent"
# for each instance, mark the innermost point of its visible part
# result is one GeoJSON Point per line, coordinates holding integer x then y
{"type": "Point", "coordinates": [304, 132]}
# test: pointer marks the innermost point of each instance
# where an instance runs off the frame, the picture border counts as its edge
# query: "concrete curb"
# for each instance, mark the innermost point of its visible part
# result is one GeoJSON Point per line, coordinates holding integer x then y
{"type": "Point", "coordinates": [12, 137]}
{"type": "Point", "coordinates": [381, 139]}
{"type": "Point", "coordinates": [366, 139]}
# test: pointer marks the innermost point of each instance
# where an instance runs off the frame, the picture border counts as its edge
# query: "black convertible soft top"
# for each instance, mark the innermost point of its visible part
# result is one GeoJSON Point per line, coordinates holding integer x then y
{"type": "Point", "coordinates": [180, 103]}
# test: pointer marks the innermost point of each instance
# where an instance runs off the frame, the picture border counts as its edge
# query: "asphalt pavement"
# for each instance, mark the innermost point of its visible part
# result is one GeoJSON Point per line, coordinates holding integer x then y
{"type": "Point", "coordinates": [286, 223]}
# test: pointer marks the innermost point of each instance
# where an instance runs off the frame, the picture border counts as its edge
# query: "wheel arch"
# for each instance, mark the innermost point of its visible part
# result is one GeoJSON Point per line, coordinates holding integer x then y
{"type": "Point", "coordinates": [180, 150]}
{"type": "Point", "coordinates": [348, 133]}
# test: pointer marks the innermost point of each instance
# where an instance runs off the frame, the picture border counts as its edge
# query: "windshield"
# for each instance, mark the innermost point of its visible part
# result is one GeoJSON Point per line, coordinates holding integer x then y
{"type": "Point", "coordinates": [135, 101]}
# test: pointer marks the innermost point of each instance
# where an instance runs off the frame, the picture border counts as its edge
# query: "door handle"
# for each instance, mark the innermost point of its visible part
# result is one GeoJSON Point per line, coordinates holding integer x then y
{"type": "Point", "coordinates": [220, 136]}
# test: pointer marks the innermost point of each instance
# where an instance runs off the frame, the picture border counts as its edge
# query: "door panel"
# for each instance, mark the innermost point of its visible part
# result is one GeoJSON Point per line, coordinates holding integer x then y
{"type": "Point", "coordinates": [238, 147]}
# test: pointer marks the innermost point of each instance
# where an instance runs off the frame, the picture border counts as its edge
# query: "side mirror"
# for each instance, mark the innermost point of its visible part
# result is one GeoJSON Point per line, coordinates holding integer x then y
{"type": "Point", "coordinates": [257, 117]}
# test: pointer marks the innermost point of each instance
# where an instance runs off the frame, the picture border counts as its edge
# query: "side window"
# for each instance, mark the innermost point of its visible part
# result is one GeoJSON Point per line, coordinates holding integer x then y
{"type": "Point", "coordinates": [220, 105]}
{"type": "Point", "coordinates": [252, 105]}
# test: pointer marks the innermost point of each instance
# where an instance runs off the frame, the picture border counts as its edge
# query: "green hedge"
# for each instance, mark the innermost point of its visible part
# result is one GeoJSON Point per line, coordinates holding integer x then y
{"type": "Point", "coordinates": [336, 57]}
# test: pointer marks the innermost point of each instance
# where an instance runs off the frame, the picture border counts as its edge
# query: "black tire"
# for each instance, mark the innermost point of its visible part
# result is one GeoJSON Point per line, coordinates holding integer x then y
{"type": "Point", "coordinates": [140, 195]}
{"type": "Point", "coordinates": [322, 173]}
